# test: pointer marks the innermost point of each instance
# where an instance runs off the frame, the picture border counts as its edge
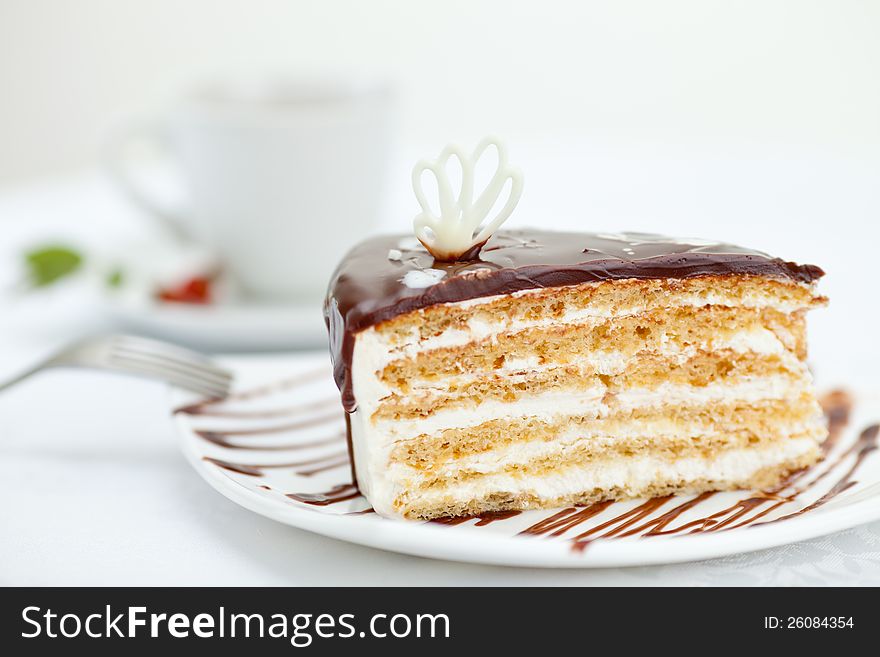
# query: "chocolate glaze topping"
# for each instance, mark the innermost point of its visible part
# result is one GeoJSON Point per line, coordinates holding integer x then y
{"type": "Point", "coordinates": [388, 276]}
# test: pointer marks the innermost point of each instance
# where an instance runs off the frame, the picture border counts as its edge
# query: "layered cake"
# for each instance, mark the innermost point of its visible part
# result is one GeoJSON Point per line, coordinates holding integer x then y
{"type": "Point", "coordinates": [550, 368]}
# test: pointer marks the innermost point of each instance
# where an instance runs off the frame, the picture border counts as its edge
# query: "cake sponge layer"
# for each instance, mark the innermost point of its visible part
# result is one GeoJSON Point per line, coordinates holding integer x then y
{"type": "Point", "coordinates": [615, 478]}
{"type": "Point", "coordinates": [660, 331]}
{"type": "Point", "coordinates": [646, 373]}
{"type": "Point", "coordinates": [451, 323]}
{"type": "Point", "coordinates": [672, 428]}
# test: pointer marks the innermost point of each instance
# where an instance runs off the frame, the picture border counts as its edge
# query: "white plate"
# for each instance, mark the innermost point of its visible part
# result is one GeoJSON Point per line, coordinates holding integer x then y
{"type": "Point", "coordinates": [287, 420]}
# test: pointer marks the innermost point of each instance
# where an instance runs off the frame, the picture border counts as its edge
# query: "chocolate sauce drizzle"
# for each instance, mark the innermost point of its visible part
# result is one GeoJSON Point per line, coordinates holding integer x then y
{"type": "Point", "coordinates": [320, 463]}
{"type": "Point", "coordinates": [211, 410]}
{"type": "Point", "coordinates": [559, 523]}
{"type": "Point", "coordinates": [217, 407]}
{"type": "Point", "coordinates": [337, 494]}
{"type": "Point", "coordinates": [284, 428]}
{"type": "Point", "coordinates": [866, 444]}
{"type": "Point", "coordinates": [367, 287]}
{"type": "Point", "coordinates": [482, 519]}
{"type": "Point", "coordinates": [364, 512]}
{"type": "Point", "coordinates": [220, 438]}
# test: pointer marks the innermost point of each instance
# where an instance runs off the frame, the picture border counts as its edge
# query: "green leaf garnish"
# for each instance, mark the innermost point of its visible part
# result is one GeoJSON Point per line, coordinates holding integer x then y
{"type": "Point", "coordinates": [115, 278]}
{"type": "Point", "coordinates": [46, 265]}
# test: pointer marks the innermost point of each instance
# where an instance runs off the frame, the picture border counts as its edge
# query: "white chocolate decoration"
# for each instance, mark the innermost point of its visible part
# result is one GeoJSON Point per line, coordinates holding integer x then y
{"type": "Point", "coordinates": [422, 278]}
{"type": "Point", "coordinates": [459, 232]}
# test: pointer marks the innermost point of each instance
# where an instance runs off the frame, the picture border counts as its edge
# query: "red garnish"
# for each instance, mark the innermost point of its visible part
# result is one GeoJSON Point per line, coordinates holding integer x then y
{"type": "Point", "coordinates": [194, 290]}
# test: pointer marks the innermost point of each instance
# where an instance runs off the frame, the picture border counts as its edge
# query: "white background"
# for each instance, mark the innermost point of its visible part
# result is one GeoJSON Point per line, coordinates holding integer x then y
{"type": "Point", "coordinates": [741, 74]}
{"type": "Point", "coordinates": [754, 122]}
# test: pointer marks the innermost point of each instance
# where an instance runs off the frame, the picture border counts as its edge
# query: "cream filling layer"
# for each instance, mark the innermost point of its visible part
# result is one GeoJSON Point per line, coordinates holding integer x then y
{"type": "Point", "coordinates": [478, 329]}
{"type": "Point", "coordinates": [632, 474]}
{"type": "Point", "coordinates": [565, 446]}
{"type": "Point", "coordinates": [759, 341]}
{"type": "Point", "coordinates": [589, 401]}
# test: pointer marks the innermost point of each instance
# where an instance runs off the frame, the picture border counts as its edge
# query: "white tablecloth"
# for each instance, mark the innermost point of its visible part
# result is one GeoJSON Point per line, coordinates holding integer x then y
{"type": "Point", "coordinates": [94, 490]}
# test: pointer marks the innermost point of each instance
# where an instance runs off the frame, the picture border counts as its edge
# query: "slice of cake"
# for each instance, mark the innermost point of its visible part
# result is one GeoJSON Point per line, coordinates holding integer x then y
{"type": "Point", "coordinates": [567, 368]}
{"type": "Point", "coordinates": [530, 369]}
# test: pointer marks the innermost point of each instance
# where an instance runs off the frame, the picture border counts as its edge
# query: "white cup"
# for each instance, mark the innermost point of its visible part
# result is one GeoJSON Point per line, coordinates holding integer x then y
{"type": "Point", "coordinates": [280, 179]}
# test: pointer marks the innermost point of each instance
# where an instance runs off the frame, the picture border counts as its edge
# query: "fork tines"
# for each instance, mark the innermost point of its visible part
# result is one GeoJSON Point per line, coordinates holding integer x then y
{"type": "Point", "coordinates": [179, 366]}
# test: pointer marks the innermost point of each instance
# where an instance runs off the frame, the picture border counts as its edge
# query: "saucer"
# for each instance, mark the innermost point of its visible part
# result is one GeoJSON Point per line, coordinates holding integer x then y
{"type": "Point", "coordinates": [224, 326]}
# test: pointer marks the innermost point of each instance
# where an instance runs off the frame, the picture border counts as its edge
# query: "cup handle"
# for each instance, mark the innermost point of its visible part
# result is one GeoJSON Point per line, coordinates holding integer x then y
{"type": "Point", "coordinates": [122, 168]}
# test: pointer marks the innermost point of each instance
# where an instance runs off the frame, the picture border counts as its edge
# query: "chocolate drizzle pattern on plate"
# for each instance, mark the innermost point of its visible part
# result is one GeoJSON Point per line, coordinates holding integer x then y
{"type": "Point", "coordinates": [288, 446]}
{"type": "Point", "coordinates": [339, 493]}
{"type": "Point", "coordinates": [482, 519]}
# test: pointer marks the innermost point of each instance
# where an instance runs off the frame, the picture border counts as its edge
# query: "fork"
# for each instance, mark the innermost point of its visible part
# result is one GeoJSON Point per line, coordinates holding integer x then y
{"type": "Point", "coordinates": [140, 356]}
